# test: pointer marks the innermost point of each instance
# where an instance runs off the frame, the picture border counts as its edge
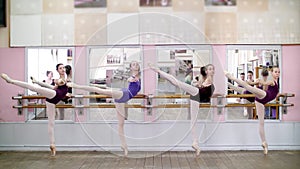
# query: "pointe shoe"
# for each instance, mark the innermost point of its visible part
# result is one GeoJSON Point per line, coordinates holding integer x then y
{"type": "Point", "coordinates": [125, 149]}
{"type": "Point", "coordinates": [228, 75]}
{"type": "Point", "coordinates": [6, 78]}
{"type": "Point", "coordinates": [71, 85]}
{"type": "Point", "coordinates": [196, 147]}
{"type": "Point", "coordinates": [265, 147]}
{"type": "Point", "coordinates": [53, 150]}
{"type": "Point", "coordinates": [151, 66]}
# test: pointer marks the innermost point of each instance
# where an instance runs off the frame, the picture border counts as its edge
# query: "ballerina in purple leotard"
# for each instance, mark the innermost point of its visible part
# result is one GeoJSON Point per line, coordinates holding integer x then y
{"type": "Point", "coordinates": [261, 98]}
{"type": "Point", "coordinates": [53, 95]}
{"type": "Point", "coordinates": [120, 96]}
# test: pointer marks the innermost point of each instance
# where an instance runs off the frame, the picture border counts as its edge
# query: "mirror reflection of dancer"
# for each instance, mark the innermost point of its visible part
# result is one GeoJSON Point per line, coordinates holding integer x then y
{"type": "Point", "coordinates": [261, 98]}
{"type": "Point", "coordinates": [53, 95]}
{"type": "Point", "coordinates": [199, 93]}
{"type": "Point", "coordinates": [120, 96]}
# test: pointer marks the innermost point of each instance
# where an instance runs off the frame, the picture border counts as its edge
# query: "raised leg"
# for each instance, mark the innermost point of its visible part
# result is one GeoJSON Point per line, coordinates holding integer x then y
{"type": "Point", "coordinates": [49, 93]}
{"type": "Point", "coordinates": [184, 86]}
{"type": "Point", "coordinates": [257, 92]}
{"type": "Point", "coordinates": [116, 94]}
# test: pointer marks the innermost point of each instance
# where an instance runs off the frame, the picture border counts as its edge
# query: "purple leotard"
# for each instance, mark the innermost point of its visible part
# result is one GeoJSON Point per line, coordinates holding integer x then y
{"type": "Point", "coordinates": [204, 94]}
{"type": "Point", "coordinates": [61, 92]}
{"type": "Point", "coordinates": [271, 94]}
{"type": "Point", "coordinates": [133, 89]}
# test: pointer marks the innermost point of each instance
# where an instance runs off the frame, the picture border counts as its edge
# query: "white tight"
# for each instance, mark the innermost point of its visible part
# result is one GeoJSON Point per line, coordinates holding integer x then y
{"type": "Point", "coordinates": [50, 110]}
{"type": "Point", "coordinates": [194, 109]}
{"type": "Point", "coordinates": [50, 107]}
{"type": "Point", "coordinates": [194, 105]}
{"type": "Point", "coordinates": [116, 94]}
{"type": "Point", "coordinates": [260, 109]}
{"type": "Point", "coordinates": [184, 86]}
{"type": "Point", "coordinates": [120, 107]}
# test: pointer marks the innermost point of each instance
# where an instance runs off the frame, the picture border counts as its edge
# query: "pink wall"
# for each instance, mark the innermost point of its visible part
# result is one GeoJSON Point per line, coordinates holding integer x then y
{"type": "Point", "coordinates": [80, 76]}
{"type": "Point", "coordinates": [12, 63]}
{"type": "Point", "coordinates": [291, 79]}
{"type": "Point", "coordinates": [219, 61]}
{"type": "Point", "coordinates": [149, 54]}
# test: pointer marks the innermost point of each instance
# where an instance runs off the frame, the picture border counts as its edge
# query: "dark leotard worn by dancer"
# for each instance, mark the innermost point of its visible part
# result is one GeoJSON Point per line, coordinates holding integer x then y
{"type": "Point", "coordinates": [130, 92]}
{"type": "Point", "coordinates": [204, 94]}
{"type": "Point", "coordinates": [61, 92]}
{"type": "Point", "coordinates": [271, 94]}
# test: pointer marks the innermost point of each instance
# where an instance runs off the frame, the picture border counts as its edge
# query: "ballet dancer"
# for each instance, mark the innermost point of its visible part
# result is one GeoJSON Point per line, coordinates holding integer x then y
{"type": "Point", "coordinates": [53, 95]}
{"type": "Point", "coordinates": [120, 96]}
{"type": "Point", "coordinates": [200, 93]}
{"type": "Point", "coordinates": [261, 98]}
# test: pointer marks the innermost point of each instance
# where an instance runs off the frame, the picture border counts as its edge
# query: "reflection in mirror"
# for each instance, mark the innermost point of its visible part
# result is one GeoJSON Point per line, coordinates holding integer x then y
{"type": "Point", "coordinates": [183, 62]}
{"type": "Point", "coordinates": [109, 67]}
{"type": "Point", "coordinates": [244, 60]}
{"type": "Point", "coordinates": [42, 66]}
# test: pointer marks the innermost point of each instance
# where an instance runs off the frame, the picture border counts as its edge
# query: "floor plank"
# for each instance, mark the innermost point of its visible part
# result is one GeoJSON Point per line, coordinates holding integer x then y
{"type": "Point", "coordinates": [151, 160]}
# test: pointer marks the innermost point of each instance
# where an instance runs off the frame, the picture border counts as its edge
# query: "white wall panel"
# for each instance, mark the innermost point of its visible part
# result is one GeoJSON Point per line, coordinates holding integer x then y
{"type": "Point", "coordinates": [18, 7]}
{"type": "Point", "coordinates": [58, 30]}
{"type": "Point", "coordinates": [25, 30]}
{"type": "Point", "coordinates": [123, 28]}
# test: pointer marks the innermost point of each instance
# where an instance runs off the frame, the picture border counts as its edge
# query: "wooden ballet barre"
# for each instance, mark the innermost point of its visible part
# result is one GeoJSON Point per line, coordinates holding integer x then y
{"type": "Point", "coordinates": [201, 105]}
{"type": "Point", "coordinates": [177, 96]}
{"type": "Point", "coordinates": [253, 105]}
{"type": "Point", "coordinates": [252, 95]}
{"type": "Point", "coordinates": [139, 96]}
{"type": "Point", "coordinates": [79, 106]}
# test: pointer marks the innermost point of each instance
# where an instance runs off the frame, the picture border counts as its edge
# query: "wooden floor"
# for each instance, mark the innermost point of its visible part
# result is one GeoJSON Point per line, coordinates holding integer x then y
{"type": "Point", "coordinates": [151, 160]}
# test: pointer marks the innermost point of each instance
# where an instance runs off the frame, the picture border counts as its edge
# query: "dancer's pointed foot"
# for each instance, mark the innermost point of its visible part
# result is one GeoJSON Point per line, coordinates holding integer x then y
{"type": "Point", "coordinates": [33, 79]}
{"type": "Point", "coordinates": [6, 78]}
{"type": "Point", "coordinates": [265, 147]}
{"type": "Point", "coordinates": [154, 68]}
{"type": "Point", "coordinates": [228, 75]}
{"type": "Point", "coordinates": [53, 150]}
{"type": "Point", "coordinates": [72, 85]}
{"type": "Point", "coordinates": [125, 149]}
{"type": "Point", "coordinates": [196, 147]}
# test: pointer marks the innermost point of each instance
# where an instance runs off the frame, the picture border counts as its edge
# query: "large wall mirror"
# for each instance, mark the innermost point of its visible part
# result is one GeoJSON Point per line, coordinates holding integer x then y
{"type": "Point", "coordinates": [41, 64]}
{"type": "Point", "coordinates": [244, 60]}
{"type": "Point", "coordinates": [183, 62]}
{"type": "Point", "coordinates": [109, 66]}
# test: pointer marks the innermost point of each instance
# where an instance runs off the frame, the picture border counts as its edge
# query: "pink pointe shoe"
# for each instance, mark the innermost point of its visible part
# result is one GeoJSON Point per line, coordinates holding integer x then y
{"type": "Point", "coordinates": [265, 147]}
{"type": "Point", "coordinates": [53, 150]}
{"type": "Point", "coordinates": [6, 78]}
{"type": "Point", "coordinates": [125, 149]}
{"type": "Point", "coordinates": [196, 147]}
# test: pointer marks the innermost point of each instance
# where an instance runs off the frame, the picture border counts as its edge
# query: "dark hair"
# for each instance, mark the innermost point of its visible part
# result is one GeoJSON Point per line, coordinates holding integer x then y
{"type": "Point", "coordinates": [58, 65]}
{"type": "Point", "coordinates": [242, 74]}
{"type": "Point", "coordinates": [68, 69]}
{"type": "Point", "coordinates": [264, 72]}
{"type": "Point", "coordinates": [250, 72]}
{"type": "Point", "coordinates": [48, 72]}
{"type": "Point", "coordinates": [203, 71]}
